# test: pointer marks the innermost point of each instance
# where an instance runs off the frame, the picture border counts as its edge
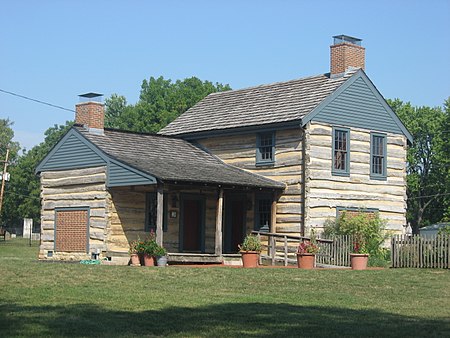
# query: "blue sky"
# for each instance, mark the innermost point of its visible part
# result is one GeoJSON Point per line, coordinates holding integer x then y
{"type": "Point", "coordinates": [54, 50]}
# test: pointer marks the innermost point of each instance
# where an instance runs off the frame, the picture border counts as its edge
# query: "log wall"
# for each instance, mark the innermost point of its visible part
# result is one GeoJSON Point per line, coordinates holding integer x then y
{"type": "Point", "coordinates": [240, 151]}
{"type": "Point", "coordinates": [325, 192]}
{"type": "Point", "coordinates": [127, 216]}
{"type": "Point", "coordinates": [73, 189]}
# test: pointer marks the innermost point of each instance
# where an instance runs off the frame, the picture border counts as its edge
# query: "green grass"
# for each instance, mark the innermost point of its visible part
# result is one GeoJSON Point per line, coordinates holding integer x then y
{"type": "Point", "coordinates": [74, 300]}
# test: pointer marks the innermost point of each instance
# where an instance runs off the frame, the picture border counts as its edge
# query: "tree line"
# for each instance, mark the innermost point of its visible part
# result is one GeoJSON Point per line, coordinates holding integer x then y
{"type": "Point", "coordinates": [161, 101]}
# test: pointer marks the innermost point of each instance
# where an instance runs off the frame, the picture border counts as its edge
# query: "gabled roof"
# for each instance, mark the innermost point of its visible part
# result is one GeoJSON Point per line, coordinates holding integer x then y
{"type": "Point", "coordinates": [349, 98]}
{"type": "Point", "coordinates": [172, 159]}
{"type": "Point", "coordinates": [256, 106]}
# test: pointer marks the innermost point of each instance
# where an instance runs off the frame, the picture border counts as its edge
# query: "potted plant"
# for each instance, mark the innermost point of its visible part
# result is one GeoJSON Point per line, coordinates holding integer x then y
{"type": "Point", "coordinates": [250, 249]}
{"type": "Point", "coordinates": [134, 253]}
{"type": "Point", "coordinates": [149, 247]}
{"type": "Point", "coordinates": [161, 256]}
{"type": "Point", "coordinates": [360, 256]}
{"type": "Point", "coordinates": [306, 254]}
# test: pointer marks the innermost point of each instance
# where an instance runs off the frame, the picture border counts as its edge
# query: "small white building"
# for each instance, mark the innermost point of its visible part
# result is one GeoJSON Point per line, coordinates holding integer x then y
{"type": "Point", "coordinates": [432, 230]}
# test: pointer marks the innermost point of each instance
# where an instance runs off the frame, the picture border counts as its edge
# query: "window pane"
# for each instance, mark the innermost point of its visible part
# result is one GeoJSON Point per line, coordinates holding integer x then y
{"type": "Point", "coordinates": [264, 209]}
{"type": "Point", "coordinates": [378, 155]}
{"type": "Point", "coordinates": [265, 146]}
{"type": "Point", "coordinates": [151, 212]}
{"type": "Point", "coordinates": [340, 150]}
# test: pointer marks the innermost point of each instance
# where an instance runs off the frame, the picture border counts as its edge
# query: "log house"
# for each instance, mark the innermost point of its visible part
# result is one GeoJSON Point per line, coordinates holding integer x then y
{"type": "Point", "coordinates": [281, 157]}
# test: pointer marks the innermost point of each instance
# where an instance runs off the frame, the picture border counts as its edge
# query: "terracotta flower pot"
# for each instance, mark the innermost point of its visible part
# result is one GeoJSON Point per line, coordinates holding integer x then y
{"type": "Point", "coordinates": [306, 260]}
{"type": "Point", "coordinates": [135, 261]}
{"type": "Point", "coordinates": [250, 259]}
{"type": "Point", "coordinates": [149, 260]}
{"type": "Point", "coordinates": [359, 261]}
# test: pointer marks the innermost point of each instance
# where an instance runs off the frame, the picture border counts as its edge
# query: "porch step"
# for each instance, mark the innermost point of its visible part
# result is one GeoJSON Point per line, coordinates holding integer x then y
{"type": "Point", "coordinates": [232, 259]}
{"type": "Point", "coordinates": [193, 258]}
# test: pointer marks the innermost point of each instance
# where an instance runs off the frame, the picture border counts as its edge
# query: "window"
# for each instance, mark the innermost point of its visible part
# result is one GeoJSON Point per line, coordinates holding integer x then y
{"type": "Point", "coordinates": [341, 152]}
{"type": "Point", "coordinates": [263, 212]}
{"type": "Point", "coordinates": [265, 148]}
{"type": "Point", "coordinates": [151, 207]}
{"type": "Point", "coordinates": [377, 156]}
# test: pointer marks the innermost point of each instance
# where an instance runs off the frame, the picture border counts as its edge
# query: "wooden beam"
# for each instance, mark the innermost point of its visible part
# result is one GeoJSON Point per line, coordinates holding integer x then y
{"type": "Point", "coordinates": [273, 213]}
{"type": "Point", "coordinates": [159, 215]}
{"type": "Point", "coordinates": [219, 217]}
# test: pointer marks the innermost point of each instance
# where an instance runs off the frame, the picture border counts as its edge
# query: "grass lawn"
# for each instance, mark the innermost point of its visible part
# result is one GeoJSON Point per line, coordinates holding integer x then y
{"type": "Point", "coordinates": [74, 300]}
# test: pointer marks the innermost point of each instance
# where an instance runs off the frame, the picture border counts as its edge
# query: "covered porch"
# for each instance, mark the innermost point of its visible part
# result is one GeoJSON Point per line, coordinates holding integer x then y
{"type": "Point", "coordinates": [195, 223]}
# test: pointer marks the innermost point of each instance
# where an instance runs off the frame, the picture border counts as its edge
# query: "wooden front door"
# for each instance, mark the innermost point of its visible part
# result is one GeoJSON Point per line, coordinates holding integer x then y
{"type": "Point", "coordinates": [235, 216]}
{"type": "Point", "coordinates": [192, 224]}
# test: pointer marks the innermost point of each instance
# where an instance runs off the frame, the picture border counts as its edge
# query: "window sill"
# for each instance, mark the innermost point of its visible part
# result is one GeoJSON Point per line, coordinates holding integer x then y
{"type": "Point", "coordinates": [265, 164]}
{"type": "Point", "coordinates": [340, 173]}
{"type": "Point", "coordinates": [378, 178]}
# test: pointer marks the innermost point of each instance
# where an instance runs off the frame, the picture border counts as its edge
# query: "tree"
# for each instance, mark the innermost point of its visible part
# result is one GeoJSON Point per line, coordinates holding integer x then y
{"type": "Point", "coordinates": [115, 106]}
{"type": "Point", "coordinates": [6, 136]}
{"type": "Point", "coordinates": [22, 195]}
{"type": "Point", "coordinates": [446, 156]}
{"type": "Point", "coordinates": [160, 102]}
{"type": "Point", "coordinates": [427, 179]}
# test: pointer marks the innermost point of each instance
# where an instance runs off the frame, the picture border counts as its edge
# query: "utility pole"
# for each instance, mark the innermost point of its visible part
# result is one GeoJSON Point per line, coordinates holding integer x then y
{"type": "Point", "coordinates": [5, 166]}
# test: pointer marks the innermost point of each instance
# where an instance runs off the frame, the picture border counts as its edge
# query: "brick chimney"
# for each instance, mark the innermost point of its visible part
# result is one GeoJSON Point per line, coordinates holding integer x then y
{"type": "Point", "coordinates": [346, 53]}
{"type": "Point", "coordinates": [90, 112]}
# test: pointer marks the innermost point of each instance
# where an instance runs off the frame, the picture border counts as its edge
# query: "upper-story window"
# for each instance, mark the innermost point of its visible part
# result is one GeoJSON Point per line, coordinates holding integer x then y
{"type": "Point", "coordinates": [341, 151]}
{"type": "Point", "coordinates": [265, 148]}
{"type": "Point", "coordinates": [377, 156]}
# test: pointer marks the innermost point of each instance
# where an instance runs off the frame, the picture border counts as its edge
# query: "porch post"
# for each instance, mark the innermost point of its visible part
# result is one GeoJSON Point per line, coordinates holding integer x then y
{"type": "Point", "coordinates": [159, 215]}
{"type": "Point", "coordinates": [273, 213]}
{"type": "Point", "coordinates": [219, 213]}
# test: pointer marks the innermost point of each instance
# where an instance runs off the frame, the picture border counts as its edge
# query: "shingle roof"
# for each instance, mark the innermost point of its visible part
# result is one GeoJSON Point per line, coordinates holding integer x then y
{"type": "Point", "coordinates": [265, 104]}
{"type": "Point", "coordinates": [172, 159]}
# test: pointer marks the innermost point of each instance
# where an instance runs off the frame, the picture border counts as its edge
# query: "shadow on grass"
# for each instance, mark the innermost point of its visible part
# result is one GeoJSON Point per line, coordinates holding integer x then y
{"type": "Point", "coordinates": [222, 320]}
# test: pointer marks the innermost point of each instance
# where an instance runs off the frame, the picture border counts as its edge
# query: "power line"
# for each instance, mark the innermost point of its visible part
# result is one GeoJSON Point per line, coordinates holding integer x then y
{"type": "Point", "coordinates": [38, 101]}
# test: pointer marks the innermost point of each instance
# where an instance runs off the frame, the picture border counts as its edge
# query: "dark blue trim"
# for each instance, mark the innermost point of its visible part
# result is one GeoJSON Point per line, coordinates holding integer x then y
{"type": "Point", "coordinates": [383, 175]}
{"type": "Point", "coordinates": [104, 159]}
{"type": "Point", "coordinates": [259, 160]}
{"type": "Point", "coordinates": [146, 178]}
{"type": "Point", "coordinates": [360, 74]}
{"type": "Point", "coordinates": [72, 132]}
{"type": "Point", "coordinates": [339, 172]}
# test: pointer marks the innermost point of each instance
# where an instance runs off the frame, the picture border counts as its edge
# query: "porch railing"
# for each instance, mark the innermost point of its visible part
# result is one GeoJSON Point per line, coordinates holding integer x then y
{"type": "Point", "coordinates": [280, 248]}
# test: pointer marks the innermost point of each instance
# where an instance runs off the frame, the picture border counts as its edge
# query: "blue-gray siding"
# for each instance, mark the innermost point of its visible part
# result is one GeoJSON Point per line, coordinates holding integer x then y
{"type": "Point", "coordinates": [71, 153]}
{"type": "Point", "coordinates": [119, 175]}
{"type": "Point", "coordinates": [74, 151]}
{"type": "Point", "coordinates": [358, 106]}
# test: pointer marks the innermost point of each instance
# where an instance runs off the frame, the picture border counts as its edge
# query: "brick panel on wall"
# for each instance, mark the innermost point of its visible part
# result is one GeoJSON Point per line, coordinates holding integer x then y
{"type": "Point", "coordinates": [370, 214]}
{"type": "Point", "coordinates": [71, 230]}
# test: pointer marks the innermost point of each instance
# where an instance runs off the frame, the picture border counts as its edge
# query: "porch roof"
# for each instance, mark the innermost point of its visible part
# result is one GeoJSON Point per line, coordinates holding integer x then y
{"type": "Point", "coordinates": [172, 159]}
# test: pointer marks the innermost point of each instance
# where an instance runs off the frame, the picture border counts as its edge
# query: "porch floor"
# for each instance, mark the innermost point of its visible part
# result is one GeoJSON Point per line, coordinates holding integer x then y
{"type": "Point", "coordinates": [186, 257]}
